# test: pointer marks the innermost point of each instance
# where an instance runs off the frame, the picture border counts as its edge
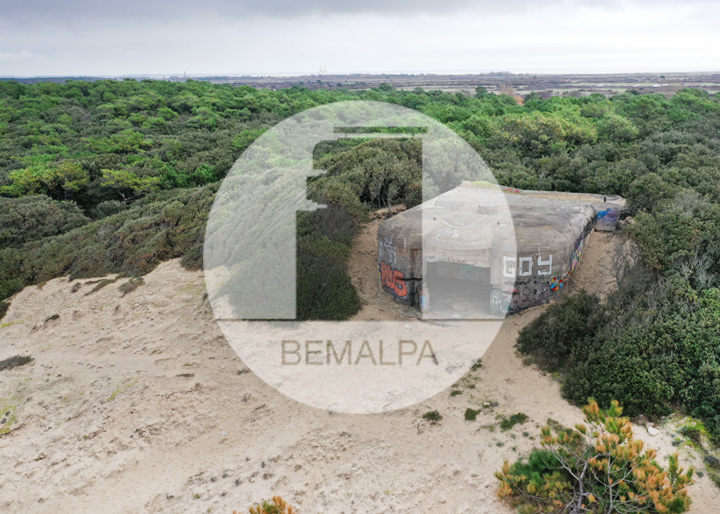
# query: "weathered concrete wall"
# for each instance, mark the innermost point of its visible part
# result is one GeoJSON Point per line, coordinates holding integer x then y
{"type": "Point", "coordinates": [400, 256]}
{"type": "Point", "coordinates": [550, 230]}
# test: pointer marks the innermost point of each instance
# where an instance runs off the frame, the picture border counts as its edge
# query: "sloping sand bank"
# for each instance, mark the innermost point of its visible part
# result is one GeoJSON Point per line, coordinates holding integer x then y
{"type": "Point", "coordinates": [137, 404]}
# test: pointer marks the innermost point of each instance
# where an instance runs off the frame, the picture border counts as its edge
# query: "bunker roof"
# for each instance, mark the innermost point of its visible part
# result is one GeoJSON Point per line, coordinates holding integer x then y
{"type": "Point", "coordinates": [462, 217]}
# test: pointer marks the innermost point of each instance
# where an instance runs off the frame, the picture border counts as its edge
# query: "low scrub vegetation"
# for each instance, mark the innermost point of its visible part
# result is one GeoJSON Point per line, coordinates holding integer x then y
{"type": "Point", "coordinates": [324, 289]}
{"type": "Point", "coordinates": [658, 351]}
{"type": "Point", "coordinates": [165, 226]}
{"type": "Point", "coordinates": [471, 414]}
{"type": "Point", "coordinates": [101, 285]}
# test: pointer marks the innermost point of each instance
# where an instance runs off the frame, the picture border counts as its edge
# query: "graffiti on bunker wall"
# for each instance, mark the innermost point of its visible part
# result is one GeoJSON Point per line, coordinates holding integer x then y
{"type": "Point", "coordinates": [387, 252]}
{"type": "Point", "coordinates": [608, 217]}
{"type": "Point", "coordinates": [500, 301]}
{"type": "Point", "coordinates": [557, 283]}
{"type": "Point", "coordinates": [393, 280]}
{"type": "Point", "coordinates": [527, 266]}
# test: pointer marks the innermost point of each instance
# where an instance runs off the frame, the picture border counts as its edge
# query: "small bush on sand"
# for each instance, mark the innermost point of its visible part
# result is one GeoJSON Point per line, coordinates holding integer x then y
{"type": "Point", "coordinates": [471, 414]}
{"type": "Point", "coordinates": [594, 468]}
{"type": "Point", "coordinates": [515, 419]}
{"type": "Point", "coordinates": [131, 285]}
{"type": "Point", "coordinates": [433, 417]}
{"type": "Point", "coordinates": [102, 283]}
{"type": "Point", "coordinates": [14, 362]}
{"type": "Point", "coordinates": [275, 506]}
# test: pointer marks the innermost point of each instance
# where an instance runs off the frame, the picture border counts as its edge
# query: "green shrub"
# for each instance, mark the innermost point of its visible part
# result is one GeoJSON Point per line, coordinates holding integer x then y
{"type": "Point", "coordinates": [171, 224]}
{"type": "Point", "coordinates": [693, 432]}
{"type": "Point", "coordinates": [100, 285]}
{"type": "Point", "coordinates": [107, 208]}
{"type": "Point", "coordinates": [684, 234]}
{"type": "Point", "coordinates": [324, 288]}
{"type": "Point", "coordinates": [433, 416]}
{"type": "Point", "coordinates": [378, 172]}
{"type": "Point", "coordinates": [557, 337]}
{"type": "Point", "coordinates": [647, 191]}
{"type": "Point", "coordinates": [132, 242]}
{"type": "Point", "coordinates": [516, 419]}
{"type": "Point", "coordinates": [471, 414]}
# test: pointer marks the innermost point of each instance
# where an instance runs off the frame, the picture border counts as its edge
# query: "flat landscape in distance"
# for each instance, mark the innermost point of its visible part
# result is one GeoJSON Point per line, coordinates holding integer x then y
{"type": "Point", "coordinates": [496, 82]}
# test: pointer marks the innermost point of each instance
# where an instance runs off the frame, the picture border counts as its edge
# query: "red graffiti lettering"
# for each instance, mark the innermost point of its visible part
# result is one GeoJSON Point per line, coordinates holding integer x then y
{"type": "Point", "coordinates": [393, 280]}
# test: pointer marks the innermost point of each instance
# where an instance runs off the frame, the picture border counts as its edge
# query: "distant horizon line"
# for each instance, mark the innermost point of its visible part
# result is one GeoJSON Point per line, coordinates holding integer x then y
{"type": "Point", "coordinates": [290, 75]}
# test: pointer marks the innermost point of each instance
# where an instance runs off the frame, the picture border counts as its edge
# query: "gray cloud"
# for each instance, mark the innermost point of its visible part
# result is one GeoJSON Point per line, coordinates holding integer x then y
{"type": "Point", "coordinates": [78, 11]}
{"type": "Point", "coordinates": [16, 56]}
{"type": "Point", "coordinates": [73, 37]}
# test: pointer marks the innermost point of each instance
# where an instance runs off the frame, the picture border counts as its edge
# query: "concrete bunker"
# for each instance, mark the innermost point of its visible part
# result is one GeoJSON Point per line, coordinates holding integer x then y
{"type": "Point", "coordinates": [475, 263]}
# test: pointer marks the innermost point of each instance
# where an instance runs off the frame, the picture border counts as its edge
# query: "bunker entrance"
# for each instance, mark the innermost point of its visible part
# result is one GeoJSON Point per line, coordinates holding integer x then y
{"type": "Point", "coordinates": [456, 290]}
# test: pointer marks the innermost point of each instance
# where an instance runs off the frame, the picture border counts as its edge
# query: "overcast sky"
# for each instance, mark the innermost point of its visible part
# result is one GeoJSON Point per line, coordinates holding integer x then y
{"type": "Point", "coordinates": [275, 37]}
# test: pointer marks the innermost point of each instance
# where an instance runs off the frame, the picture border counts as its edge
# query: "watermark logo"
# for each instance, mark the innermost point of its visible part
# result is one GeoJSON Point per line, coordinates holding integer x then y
{"type": "Point", "coordinates": [447, 257]}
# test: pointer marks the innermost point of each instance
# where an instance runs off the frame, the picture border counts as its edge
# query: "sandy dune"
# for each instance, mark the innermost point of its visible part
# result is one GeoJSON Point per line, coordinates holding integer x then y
{"type": "Point", "coordinates": [137, 404]}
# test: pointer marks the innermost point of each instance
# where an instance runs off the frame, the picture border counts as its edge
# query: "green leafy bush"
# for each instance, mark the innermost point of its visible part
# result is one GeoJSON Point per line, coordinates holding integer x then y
{"type": "Point", "coordinates": [101, 284]}
{"type": "Point", "coordinates": [30, 218]}
{"type": "Point", "coordinates": [556, 339]}
{"type": "Point", "coordinates": [107, 208]}
{"type": "Point", "coordinates": [324, 288]}
{"type": "Point", "coordinates": [471, 414]}
{"type": "Point", "coordinates": [662, 353]}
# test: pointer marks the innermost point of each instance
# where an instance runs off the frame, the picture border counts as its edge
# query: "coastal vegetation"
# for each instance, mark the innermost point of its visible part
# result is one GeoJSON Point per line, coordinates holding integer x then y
{"type": "Point", "coordinates": [117, 176]}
